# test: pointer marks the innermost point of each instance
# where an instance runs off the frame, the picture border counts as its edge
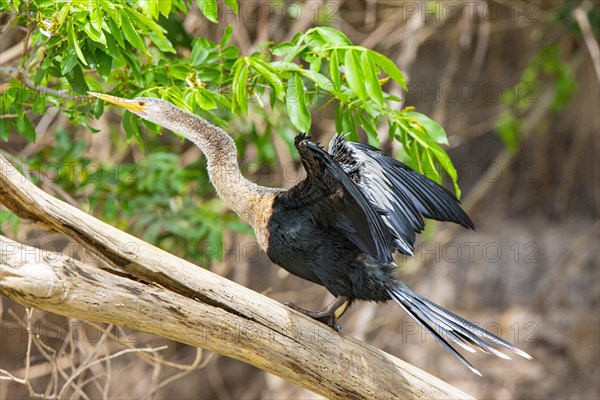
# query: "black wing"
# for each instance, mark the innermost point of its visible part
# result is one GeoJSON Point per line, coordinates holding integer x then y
{"type": "Point", "coordinates": [401, 194]}
{"type": "Point", "coordinates": [340, 202]}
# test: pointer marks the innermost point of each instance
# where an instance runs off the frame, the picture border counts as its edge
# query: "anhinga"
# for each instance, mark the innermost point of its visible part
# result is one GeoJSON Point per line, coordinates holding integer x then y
{"type": "Point", "coordinates": [340, 226]}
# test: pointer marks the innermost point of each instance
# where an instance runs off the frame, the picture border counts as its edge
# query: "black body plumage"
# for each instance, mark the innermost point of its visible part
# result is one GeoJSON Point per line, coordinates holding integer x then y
{"type": "Point", "coordinates": [340, 227]}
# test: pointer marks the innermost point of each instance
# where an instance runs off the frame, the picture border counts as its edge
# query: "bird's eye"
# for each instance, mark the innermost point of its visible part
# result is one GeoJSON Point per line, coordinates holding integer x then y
{"type": "Point", "coordinates": [141, 103]}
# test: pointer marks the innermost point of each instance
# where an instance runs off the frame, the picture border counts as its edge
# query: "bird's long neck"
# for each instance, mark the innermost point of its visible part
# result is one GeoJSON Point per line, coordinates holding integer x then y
{"type": "Point", "coordinates": [242, 196]}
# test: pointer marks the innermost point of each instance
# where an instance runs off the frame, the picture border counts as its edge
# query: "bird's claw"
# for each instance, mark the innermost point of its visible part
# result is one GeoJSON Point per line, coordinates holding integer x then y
{"type": "Point", "coordinates": [330, 321]}
{"type": "Point", "coordinates": [328, 317]}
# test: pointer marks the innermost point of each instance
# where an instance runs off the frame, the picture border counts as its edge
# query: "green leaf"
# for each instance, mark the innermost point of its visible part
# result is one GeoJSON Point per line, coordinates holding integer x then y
{"type": "Point", "coordinates": [175, 96]}
{"type": "Point", "coordinates": [322, 81]}
{"type": "Point", "coordinates": [267, 72]}
{"type": "Point", "coordinates": [179, 71]}
{"type": "Point", "coordinates": [115, 31]}
{"type": "Point", "coordinates": [72, 42]}
{"type": "Point", "coordinates": [344, 122]}
{"type": "Point", "coordinates": [230, 52]}
{"type": "Point", "coordinates": [130, 32]}
{"type": "Point", "coordinates": [200, 51]}
{"type": "Point", "coordinates": [339, 128]}
{"type": "Point", "coordinates": [388, 67]}
{"type": "Point", "coordinates": [283, 66]}
{"type": "Point", "coordinates": [24, 127]}
{"type": "Point", "coordinates": [429, 168]}
{"type": "Point", "coordinates": [104, 64]}
{"type": "Point", "coordinates": [296, 51]}
{"type": "Point", "coordinates": [334, 70]}
{"type": "Point", "coordinates": [371, 80]}
{"type": "Point", "coordinates": [134, 64]}
{"type": "Point", "coordinates": [109, 8]}
{"type": "Point", "coordinates": [96, 17]}
{"type": "Point", "coordinates": [69, 60]}
{"type": "Point", "coordinates": [232, 4]}
{"type": "Point", "coordinates": [153, 8]}
{"type": "Point", "coordinates": [354, 74]}
{"type": "Point", "coordinates": [43, 71]}
{"type": "Point", "coordinates": [333, 36]}
{"type": "Point", "coordinates": [296, 104]}
{"type": "Point", "coordinates": [240, 94]}
{"type": "Point", "coordinates": [132, 129]}
{"type": "Point", "coordinates": [428, 144]}
{"type": "Point", "coordinates": [391, 97]}
{"type": "Point", "coordinates": [155, 32]}
{"type": "Point", "coordinates": [205, 100]}
{"type": "Point", "coordinates": [94, 34]}
{"type": "Point", "coordinates": [315, 41]}
{"type": "Point", "coordinates": [11, 5]}
{"type": "Point", "coordinates": [226, 35]}
{"type": "Point", "coordinates": [209, 9]}
{"type": "Point", "coordinates": [433, 129]}
{"type": "Point", "coordinates": [39, 105]}
{"type": "Point", "coordinates": [315, 64]}
{"type": "Point", "coordinates": [371, 128]}
{"type": "Point", "coordinates": [77, 80]}
{"type": "Point", "coordinates": [4, 128]}
{"type": "Point", "coordinates": [282, 49]}
{"type": "Point", "coordinates": [509, 129]}
{"type": "Point", "coordinates": [6, 217]}
{"type": "Point", "coordinates": [98, 109]}
{"type": "Point", "coordinates": [161, 42]}
{"type": "Point", "coordinates": [219, 98]}
{"type": "Point", "coordinates": [164, 6]}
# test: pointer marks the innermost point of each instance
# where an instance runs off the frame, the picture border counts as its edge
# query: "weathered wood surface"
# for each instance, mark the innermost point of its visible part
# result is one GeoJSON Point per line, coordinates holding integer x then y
{"type": "Point", "coordinates": [153, 291]}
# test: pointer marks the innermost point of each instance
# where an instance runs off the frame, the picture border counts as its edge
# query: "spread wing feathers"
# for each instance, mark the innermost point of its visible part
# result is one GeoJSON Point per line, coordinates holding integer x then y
{"type": "Point", "coordinates": [355, 216]}
{"type": "Point", "coordinates": [401, 193]}
{"type": "Point", "coordinates": [443, 324]}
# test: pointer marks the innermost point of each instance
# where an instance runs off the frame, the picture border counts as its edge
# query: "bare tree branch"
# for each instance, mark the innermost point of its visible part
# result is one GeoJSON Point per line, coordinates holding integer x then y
{"type": "Point", "coordinates": [175, 299]}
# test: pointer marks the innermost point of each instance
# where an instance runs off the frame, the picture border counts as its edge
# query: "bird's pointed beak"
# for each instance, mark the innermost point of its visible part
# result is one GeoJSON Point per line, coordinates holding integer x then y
{"type": "Point", "coordinates": [131, 105]}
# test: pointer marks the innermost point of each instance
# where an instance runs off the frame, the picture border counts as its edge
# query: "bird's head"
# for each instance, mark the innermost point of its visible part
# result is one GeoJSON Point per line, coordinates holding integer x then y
{"type": "Point", "coordinates": [149, 108]}
{"type": "Point", "coordinates": [179, 121]}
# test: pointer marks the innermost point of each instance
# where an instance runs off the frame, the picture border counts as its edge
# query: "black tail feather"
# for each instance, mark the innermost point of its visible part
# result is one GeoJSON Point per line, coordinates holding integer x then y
{"type": "Point", "coordinates": [414, 313]}
{"type": "Point", "coordinates": [443, 324]}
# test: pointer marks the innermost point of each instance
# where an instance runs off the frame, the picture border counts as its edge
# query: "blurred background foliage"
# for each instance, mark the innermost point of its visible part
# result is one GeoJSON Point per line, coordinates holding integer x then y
{"type": "Point", "coordinates": [514, 83]}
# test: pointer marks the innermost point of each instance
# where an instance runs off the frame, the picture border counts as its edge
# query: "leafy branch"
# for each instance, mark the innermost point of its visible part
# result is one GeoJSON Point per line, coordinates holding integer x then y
{"type": "Point", "coordinates": [125, 48]}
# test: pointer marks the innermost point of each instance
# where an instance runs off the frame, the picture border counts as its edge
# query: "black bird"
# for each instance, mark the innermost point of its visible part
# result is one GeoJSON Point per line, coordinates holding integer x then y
{"type": "Point", "coordinates": [340, 226]}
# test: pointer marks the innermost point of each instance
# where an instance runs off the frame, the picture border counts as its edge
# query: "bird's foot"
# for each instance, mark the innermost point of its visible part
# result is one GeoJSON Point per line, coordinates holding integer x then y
{"type": "Point", "coordinates": [329, 314]}
{"type": "Point", "coordinates": [325, 316]}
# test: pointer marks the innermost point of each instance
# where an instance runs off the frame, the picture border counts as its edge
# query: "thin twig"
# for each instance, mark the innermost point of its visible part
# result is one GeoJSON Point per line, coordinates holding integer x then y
{"type": "Point", "coordinates": [22, 76]}
{"type": "Point", "coordinates": [29, 313]}
{"type": "Point", "coordinates": [194, 366]}
{"type": "Point", "coordinates": [580, 15]}
{"type": "Point", "coordinates": [50, 354]}
{"type": "Point", "coordinates": [76, 373]}
{"type": "Point", "coordinates": [106, 389]}
{"type": "Point", "coordinates": [147, 357]}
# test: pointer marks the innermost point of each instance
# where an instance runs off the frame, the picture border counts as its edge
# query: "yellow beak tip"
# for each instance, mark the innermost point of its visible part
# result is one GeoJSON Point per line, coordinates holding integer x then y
{"type": "Point", "coordinates": [131, 105]}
